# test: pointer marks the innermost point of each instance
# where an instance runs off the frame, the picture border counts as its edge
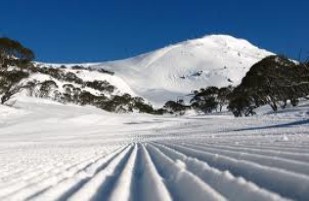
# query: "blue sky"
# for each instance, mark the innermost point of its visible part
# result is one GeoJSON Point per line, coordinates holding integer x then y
{"type": "Point", "coordinates": [99, 30]}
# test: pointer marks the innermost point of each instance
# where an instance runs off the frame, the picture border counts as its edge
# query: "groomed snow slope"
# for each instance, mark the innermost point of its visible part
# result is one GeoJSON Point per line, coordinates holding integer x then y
{"type": "Point", "coordinates": [176, 70]}
{"type": "Point", "coordinates": [51, 151]}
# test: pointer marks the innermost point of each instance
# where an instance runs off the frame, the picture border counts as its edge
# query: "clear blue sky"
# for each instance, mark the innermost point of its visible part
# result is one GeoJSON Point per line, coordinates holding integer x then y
{"type": "Point", "coordinates": [98, 30]}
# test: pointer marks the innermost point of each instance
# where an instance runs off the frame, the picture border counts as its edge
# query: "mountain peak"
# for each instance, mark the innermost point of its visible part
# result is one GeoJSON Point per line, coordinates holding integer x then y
{"type": "Point", "coordinates": [222, 41]}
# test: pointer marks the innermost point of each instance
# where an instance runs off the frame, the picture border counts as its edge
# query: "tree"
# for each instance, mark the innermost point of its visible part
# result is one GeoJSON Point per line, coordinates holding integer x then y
{"type": "Point", "coordinates": [13, 90]}
{"type": "Point", "coordinates": [175, 107]}
{"type": "Point", "coordinates": [13, 50]}
{"type": "Point", "coordinates": [273, 81]}
{"type": "Point", "coordinates": [46, 87]}
{"type": "Point", "coordinates": [240, 103]}
{"type": "Point", "coordinates": [223, 94]}
{"type": "Point", "coordinates": [8, 81]}
{"type": "Point", "coordinates": [206, 99]}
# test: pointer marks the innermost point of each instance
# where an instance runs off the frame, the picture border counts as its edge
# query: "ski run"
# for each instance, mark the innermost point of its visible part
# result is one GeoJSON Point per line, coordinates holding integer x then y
{"type": "Point", "coordinates": [60, 152]}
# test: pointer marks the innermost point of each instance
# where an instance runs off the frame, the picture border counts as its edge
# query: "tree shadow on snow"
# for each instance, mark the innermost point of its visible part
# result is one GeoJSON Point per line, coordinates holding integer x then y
{"type": "Point", "coordinates": [295, 123]}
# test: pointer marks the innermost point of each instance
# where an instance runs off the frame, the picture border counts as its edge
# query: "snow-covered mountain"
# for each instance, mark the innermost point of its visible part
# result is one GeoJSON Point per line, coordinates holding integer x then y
{"type": "Point", "coordinates": [176, 70]}
{"type": "Point", "coordinates": [166, 74]}
{"type": "Point", "coordinates": [74, 151]}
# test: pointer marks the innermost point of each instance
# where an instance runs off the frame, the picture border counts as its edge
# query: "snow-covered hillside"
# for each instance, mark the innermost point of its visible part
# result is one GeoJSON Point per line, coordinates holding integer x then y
{"type": "Point", "coordinates": [176, 70]}
{"type": "Point", "coordinates": [50, 151]}
{"type": "Point", "coordinates": [139, 83]}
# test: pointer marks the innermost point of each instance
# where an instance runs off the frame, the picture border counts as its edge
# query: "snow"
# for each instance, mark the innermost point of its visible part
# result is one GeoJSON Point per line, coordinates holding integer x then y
{"type": "Point", "coordinates": [85, 75]}
{"type": "Point", "coordinates": [173, 71]}
{"type": "Point", "coordinates": [51, 151]}
{"type": "Point", "coordinates": [176, 70]}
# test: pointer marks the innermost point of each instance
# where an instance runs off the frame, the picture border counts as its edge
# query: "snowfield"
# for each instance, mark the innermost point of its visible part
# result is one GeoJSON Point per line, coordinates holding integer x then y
{"type": "Point", "coordinates": [50, 151]}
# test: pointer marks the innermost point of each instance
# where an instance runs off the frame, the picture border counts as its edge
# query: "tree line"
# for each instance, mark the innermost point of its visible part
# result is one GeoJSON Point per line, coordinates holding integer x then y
{"type": "Point", "coordinates": [275, 81]}
{"type": "Point", "coordinates": [16, 66]}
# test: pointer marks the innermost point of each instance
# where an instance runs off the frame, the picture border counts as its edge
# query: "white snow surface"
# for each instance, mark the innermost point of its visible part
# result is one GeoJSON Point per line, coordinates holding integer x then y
{"type": "Point", "coordinates": [51, 151]}
{"type": "Point", "coordinates": [175, 71]}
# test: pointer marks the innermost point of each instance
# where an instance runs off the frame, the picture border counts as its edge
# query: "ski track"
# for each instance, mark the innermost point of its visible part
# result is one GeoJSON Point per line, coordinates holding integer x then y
{"type": "Point", "coordinates": [296, 166]}
{"type": "Point", "coordinates": [158, 159]}
{"type": "Point", "coordinates": [181, 182]}
{"type": "Point", "coordinates": [270, 178]}
{"type": "Point", "coordinates": [235, 188]}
